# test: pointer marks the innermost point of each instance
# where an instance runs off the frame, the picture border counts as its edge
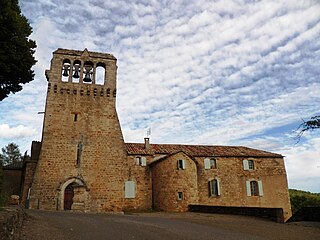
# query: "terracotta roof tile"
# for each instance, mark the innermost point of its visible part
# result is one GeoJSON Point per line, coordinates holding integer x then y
{"type": "Point", "coordinates": [198, 150]}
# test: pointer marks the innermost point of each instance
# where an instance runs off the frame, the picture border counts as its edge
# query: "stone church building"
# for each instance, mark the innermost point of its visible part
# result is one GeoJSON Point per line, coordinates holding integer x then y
{"type": "Point", "coordinates": [83, 164]}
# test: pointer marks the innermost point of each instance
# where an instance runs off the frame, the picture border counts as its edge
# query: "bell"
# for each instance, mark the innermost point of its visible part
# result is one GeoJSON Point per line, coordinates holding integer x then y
{"type": "Point", "coordinates": [76, 71]}
{"type": "Point", "coordinates": [87, 77]}
{"type": "Point", "coordinates": [65, 70]}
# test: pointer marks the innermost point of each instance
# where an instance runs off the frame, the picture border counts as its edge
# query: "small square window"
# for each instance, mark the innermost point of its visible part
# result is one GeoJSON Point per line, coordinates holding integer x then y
{"type": "Point", "coordinates": [180, 196]}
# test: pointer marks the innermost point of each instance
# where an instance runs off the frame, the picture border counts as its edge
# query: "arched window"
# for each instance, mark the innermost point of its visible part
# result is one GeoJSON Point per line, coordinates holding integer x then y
{"type": "Point", "coordinates": [65, 70]}
{"type": "Point", "coordinates": [76, 71]}
{"type": "Point", "coordinates": [100, 73]}
{"type": "Point", "coordinates": [87, 72]}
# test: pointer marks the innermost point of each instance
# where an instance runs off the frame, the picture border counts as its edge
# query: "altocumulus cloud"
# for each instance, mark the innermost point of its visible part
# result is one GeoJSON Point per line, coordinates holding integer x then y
{"type": "Point", "coordinates": [201, 72]}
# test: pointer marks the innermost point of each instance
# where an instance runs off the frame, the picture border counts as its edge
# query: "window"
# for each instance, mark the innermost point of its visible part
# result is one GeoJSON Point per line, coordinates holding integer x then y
{"type": "Point", "coordinates": [210, 163]}
{"type": "Point", "coordinates": [180, 196]}
{"type": "Point", "coordinates": [251, 165]}
{"type": "Point", "coordinates": [248, 164]}
{"type": "Point", "coordinates": [79, 153]}
{"type": "Point", "coordinates": [75, 117]}
{"type": "Point", "coordinates": [142, 161]}
{"type": "Point", "coordinates": [214, 188]}
{"type": "Point", "coordinates": [181, 164]}
{"type": "Point", "coordinates": [130, 189]}
{"type": "Point", "coordinates": [254, 188]}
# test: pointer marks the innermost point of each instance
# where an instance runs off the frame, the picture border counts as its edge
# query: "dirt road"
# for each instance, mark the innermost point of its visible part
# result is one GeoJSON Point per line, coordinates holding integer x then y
{"type": "Point", "coordinates": [46, 225]}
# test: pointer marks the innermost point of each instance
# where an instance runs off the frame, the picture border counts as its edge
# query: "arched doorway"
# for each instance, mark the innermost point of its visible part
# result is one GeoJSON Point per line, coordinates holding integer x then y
{"type": "Point", "coordinates": [68, 197]}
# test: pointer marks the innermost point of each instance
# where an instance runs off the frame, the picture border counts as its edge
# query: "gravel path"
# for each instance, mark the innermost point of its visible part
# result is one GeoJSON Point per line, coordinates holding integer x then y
{"type": "Point", "coordinates": [67, 225]}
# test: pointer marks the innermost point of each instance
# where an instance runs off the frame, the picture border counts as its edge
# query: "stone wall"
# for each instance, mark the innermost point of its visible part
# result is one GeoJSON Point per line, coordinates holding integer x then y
{"type": "Point", "coordinates": [142, 176]}
{"type": "Point", "coordinates": [232, 176]}
{"type": "Point", "coordinates": [274, 214]}
{"type": "Point", "coordinates": [168, 181]}
{"type": "Point", "coordinates": [82, 141]}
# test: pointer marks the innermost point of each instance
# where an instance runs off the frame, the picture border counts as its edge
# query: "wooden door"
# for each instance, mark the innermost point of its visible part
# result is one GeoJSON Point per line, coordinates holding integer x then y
{"type": "Point", "coordinates": [68, 197]}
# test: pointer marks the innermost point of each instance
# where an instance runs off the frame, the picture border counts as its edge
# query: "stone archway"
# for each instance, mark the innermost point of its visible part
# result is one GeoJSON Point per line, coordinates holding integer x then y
{"type": "Point", "coordinates": [73, 195]}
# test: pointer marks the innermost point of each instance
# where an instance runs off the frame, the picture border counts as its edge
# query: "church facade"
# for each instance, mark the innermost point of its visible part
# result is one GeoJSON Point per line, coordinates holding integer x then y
{"type": "Point", "coordinates": [83, 164]}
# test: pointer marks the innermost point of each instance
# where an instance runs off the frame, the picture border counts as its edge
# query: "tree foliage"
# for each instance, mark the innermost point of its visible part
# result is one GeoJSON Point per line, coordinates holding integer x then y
{"type": "Point", "coordinates": [16, 51]}
{"type": "Point", "coordinates": [301, 199]}
{"type": "Point", "coordinates": [310, 125]}
{"type": "Point", "coordinates": [10, 154]}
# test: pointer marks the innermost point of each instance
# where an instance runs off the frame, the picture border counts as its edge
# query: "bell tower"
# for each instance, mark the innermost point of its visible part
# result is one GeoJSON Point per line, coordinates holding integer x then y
{"type": "Point", "coordinates": [82, 158]}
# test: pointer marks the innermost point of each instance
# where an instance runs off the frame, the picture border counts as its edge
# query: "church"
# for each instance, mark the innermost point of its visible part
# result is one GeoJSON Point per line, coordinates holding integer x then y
{"type": "Point", "coordinates": [83, 164]}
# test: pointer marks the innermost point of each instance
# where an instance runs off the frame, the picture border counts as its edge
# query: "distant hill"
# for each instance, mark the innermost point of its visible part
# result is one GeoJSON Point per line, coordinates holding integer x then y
{"type": "Point", "coordinates": [301, 199]}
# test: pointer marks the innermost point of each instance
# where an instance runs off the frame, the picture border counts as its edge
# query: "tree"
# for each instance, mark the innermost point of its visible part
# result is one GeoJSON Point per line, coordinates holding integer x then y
{"type": "Point", "coordinates": [16, 51]}
{"type": "Point", "coordinates": [10, 154]}
{"type": "Point", "coordinates": [309, 125]}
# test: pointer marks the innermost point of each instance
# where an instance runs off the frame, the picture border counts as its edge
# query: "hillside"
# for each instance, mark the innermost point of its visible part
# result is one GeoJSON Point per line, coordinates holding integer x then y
{"type": "Point", "coordinates": [301, 198]}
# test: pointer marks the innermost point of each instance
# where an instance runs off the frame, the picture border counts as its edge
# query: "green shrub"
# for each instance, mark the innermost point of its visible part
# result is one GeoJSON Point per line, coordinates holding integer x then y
{"type": "Point", "coordinates": [301, 199]}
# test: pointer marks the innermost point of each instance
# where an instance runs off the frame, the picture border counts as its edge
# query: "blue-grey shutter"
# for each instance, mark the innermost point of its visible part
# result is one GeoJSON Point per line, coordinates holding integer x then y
{"type": "Point", "coordinates": [129, 189]}
{"type": "Point", "coordinates": [260, 188]}
{"type": "Point", "coordinates": [218, 186]}
{"type": "Point", "coordinates": [248, 188]}
{"type": "Point", "coordinates": [207, 163]}
{"type": "Point", "coordinates": [143, 161]}
{"type": "Point", "coordinates": [245, 165]}
{"type": "Point", "coordinates": [183, 164]}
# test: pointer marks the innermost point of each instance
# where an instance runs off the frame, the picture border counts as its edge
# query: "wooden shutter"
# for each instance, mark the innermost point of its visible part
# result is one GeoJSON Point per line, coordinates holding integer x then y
{"type": "Point", "coordinates": [260, 188]}
{"type": "Point", "coordinates": [129, 189]}
{"type": "Point", "coordinates": [143, 161]}
{"type": "Point", "coordinates": [248, 188]}
{"type": "Point", "coordinates": [245, 165]}
{"type": "Point", "coordinates": [207, 163]}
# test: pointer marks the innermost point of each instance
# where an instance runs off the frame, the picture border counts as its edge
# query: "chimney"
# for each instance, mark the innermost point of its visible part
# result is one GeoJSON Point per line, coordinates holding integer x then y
{"type": "Point", "coordinates": [146, 143]}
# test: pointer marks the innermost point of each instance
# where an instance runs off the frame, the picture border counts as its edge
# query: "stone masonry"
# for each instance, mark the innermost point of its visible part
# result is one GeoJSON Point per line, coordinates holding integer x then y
{"type": "Point", "coordinates": [84, 164]}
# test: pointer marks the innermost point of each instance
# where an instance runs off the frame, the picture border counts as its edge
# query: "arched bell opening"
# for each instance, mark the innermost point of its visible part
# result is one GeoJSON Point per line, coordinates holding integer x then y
{"type": "Point", "coordinates": [100, 74]}
{"type": "Point", "coordinates": [76, 69]}
{"type": "Point", "coordinates": [87, 72]}
{"type": "Point", "coordinates": [65, 70]}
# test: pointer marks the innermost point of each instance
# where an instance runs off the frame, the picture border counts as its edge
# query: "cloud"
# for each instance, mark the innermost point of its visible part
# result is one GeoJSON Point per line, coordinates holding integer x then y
{"type": "Point", "coordinates": [19, 131]}
{"type": "Point", "coordinates": [200, 72]}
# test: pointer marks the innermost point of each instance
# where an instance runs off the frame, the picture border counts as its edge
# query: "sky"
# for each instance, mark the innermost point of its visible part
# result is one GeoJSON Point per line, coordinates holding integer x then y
{"type": "Point", "coordinates": [227, 72]}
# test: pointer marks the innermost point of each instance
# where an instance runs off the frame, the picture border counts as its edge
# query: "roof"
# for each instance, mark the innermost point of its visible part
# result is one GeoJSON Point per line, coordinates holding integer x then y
{"type": "Point", "coordinates": [198, 150]}
{"type": "Point", "coordinates": [16, 165]}
{"type": "Point", "coordinates": [79, 53]}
